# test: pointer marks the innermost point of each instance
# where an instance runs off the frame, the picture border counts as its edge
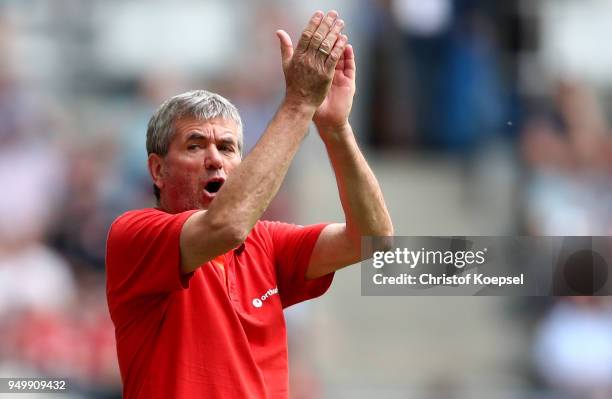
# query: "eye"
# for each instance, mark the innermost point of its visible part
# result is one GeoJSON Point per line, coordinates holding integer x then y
{"type": "Point", "coordinates": [193, 147]}
{"type": "Point", "coordinates": [226, 148]}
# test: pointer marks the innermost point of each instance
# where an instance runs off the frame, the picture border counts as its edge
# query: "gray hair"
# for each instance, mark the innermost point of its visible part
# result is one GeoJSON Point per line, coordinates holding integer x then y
{"type": "Point", "coordinates": [200, 104]}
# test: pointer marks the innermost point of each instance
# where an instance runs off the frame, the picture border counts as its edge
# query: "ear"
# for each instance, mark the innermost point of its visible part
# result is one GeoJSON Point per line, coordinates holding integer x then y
{"type": "Point", "coordinates": [156, 168]}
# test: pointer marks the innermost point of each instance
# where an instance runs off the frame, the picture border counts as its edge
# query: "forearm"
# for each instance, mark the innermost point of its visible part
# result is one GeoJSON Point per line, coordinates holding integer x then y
{"type": "Point", "coordinates": [360, 194]}
{"type": "Point", "coordinates": [250, 188]}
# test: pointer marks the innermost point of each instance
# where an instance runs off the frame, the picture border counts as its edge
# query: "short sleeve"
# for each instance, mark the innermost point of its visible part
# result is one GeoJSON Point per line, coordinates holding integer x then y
{"type": "Point", "coordinates": [292, 248]}
{"type": "Point", "coordinates": [143, 253]}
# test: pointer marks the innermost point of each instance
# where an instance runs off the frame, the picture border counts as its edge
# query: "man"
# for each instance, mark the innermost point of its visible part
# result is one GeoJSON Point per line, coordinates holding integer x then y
{"type": "Point", "coordinates": [196, 287]}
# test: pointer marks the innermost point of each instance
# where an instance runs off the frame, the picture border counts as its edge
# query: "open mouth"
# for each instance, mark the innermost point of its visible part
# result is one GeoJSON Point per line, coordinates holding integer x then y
{"type": "Point", "coordinates": [213, 186]}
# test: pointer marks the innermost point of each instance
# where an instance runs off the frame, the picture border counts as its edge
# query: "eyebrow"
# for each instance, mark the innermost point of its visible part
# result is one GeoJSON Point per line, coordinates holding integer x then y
{"type": "Point", "coordinates": [228, 138]}
{"type": "Point", "coordinates": [196, 136]}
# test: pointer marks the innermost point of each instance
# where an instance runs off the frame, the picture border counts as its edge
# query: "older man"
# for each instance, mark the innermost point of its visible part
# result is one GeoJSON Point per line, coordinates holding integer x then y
{"type": "Point", "coordinates": [196, 286]}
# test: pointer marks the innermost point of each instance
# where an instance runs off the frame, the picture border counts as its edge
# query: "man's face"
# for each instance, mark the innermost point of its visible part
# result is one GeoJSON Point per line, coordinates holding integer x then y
{"type": "Point", "coordinates": [200, 156]}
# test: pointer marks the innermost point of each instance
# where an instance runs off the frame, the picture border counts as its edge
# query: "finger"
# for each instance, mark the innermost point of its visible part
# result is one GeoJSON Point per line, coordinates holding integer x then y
{"type": "Point", "coordinates": [340, 63]}
{"type": "Point", "coordinates": [309, 31]}
{"type": "Point", "coordinates": [322, 31]}
{"type": "Point", "coordinates": [286, 47]}
{"type": "Point", "coordinates": [328, 43]}
{"type": "Point", "coordinates": [349, 62]}
{"type": "Point", "coordinates": [336, 53]}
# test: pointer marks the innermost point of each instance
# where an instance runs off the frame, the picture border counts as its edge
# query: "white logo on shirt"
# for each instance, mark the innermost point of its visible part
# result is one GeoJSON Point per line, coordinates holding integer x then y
{"type": "Point", "coordinates": [258, 302]}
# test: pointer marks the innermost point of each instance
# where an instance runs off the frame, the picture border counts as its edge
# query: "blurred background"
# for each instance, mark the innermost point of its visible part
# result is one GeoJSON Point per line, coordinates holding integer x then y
{"type": "Point", "coordinates": [478, 117]}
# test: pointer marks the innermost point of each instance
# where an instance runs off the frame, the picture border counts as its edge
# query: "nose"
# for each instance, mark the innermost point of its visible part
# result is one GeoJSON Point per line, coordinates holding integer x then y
{"type": "Point", "coordinates": [213, 158]}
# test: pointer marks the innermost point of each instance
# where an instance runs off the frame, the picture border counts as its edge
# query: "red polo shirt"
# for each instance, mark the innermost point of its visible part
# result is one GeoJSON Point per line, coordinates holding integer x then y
{"type": "Point", "coordinates": [218, 332]}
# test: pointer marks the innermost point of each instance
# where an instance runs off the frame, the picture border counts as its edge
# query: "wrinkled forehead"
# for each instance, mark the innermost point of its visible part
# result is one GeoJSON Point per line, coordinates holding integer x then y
{"type": "Point", "coordinates": [185, 127]}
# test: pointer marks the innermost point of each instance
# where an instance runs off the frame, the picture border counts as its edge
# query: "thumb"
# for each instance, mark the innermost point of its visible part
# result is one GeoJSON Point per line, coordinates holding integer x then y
{"type": "Point", "coordinates": [286, 47]}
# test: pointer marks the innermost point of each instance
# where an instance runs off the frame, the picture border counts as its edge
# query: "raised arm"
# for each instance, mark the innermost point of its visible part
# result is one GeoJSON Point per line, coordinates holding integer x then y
{"type": "Point", "coordinates": [364, 207]}
{"type": "Point", "coordinates": [251, 186]}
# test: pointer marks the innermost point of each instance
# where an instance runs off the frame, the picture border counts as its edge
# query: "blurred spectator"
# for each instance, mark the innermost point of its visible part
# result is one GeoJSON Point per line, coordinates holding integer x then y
{"type": "Point", "coordinates": [453, 98]}
{"type": "Point", "coordinates": [33, 277]}
{"type": "Point", "coordinates": [569, 193]}
{"type": "Point", "coordinates": [79, 228]}
{"type": "Point", "coordinates": [573, 348]}
{"type": "Point", "coordinates": [570, 187]}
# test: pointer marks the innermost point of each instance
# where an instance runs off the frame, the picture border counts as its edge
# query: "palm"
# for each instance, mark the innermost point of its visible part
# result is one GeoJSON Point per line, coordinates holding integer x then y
{"type": "Point", "coordinates": [335, 109]}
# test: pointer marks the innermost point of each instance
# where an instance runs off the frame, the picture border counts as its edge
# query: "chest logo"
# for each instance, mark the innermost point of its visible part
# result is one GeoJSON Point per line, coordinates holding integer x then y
{"type": "Point", "coordinates": [258, 302]}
